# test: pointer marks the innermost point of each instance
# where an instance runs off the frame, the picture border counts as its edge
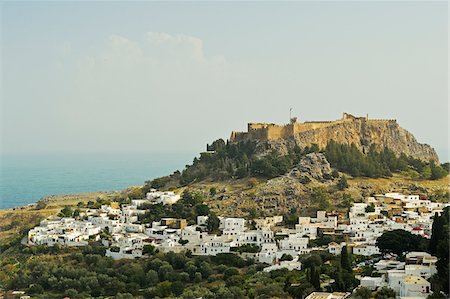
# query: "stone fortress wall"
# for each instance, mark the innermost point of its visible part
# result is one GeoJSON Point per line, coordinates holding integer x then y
{"type": "Point", "coordinates": [269, 131]}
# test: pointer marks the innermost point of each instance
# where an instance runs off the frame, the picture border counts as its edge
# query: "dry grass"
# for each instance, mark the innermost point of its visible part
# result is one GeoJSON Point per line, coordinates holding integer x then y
{"type": "Point", "coordinates": [443, 184]}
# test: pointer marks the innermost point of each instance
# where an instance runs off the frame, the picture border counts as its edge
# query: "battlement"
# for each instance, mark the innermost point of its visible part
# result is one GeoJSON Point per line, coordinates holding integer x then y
{"type": "Point", "coordinates": [257, 126]}
{"type": "Point", "coordinates": [270, 131]}
{"type": "Point", "coordinates": [352, 117]}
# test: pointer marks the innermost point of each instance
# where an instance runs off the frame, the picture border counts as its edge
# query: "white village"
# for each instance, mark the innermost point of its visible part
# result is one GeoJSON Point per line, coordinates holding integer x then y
{"type": "Point", "coordinates": [119, 230]}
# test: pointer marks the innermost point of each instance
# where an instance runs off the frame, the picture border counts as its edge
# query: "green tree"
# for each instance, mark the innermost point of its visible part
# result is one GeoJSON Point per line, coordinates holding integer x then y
{"type": "Point", "coordinates": [202, 210]}
{"type": "Point", "coordinates": [321, 198]}
{"type": "Point", "coordinates": [40, 205]}
{"type": "Point", "coordinates": [440, 248]}
{"type": "Point", "coordinates": [291, 219]}
{"type": "Point", "coordinates": [148, 249]}
{"type": "Point", "coordinates": [76, 213]}
{"type": "Point", "coordinates": [192, 198]}
{"type": "Point", "coordinates": [437, 232]}
{"type": "Point", "coordinates": [437, 172]}
{"type": "Point", "coordinates": [399, 241]}
{"type": "Point", "coordinates": [315, 277]}
{"type": "Point", "coordinates": [362, 293]}
{"type": "Point", "coordinates": [342, 184]}
{"type": "Point", "coordinates": [345, 259]}
{"type": "Point", "coordinates": [164, 289]}
{"type": "Point", "coordinates": [286, 257]}
{"type": "Point", "coordinates": [385, 293]}
{"type": "Point", "coordinates": [66, 212]}
{"type": "Point", "coordinates": [426, 172]}
{"type": "Point", "coordinates": [312, 260]}
{"type": "Point", "coordinates": [165, 272]}
{"type": "Point", "coordinates": [71, 293]}
{"type": "Point", "coordinates": [370, 208]}
{"type": "Point", "coordinates": [213, 222]}
{"type": "Point", "coordinates": [437, 295]}
{"type": "Point", "coordinates": [152, 277]}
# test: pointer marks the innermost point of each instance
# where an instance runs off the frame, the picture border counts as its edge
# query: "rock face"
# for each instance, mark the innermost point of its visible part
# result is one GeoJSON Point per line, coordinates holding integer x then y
{"type": "Point", "coordinates": [314, 165]}
{"type": "Point", "coordinates": [362, 133]}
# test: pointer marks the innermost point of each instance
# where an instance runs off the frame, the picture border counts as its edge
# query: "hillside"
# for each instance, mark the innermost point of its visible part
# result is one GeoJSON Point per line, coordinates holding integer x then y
{"type": "Point", "coordinates": [240, 197]}
{"type": "Point", "coordinates": [232, 179]}
{"type": "Point", "coordinates": [273, 168]}
{"type": "Point", "coordinates": [266, 197]}
{"type": "Point", "coordinates": [256, 174]}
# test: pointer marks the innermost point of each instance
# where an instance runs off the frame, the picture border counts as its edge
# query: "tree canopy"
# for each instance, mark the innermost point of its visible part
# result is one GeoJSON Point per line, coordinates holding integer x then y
{"type": "Point", "coordinates": [399, 241]}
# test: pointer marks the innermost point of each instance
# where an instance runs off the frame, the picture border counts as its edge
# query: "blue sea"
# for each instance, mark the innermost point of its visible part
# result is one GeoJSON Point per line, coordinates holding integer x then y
{"type": "Point", "coordinates": [25, 179]}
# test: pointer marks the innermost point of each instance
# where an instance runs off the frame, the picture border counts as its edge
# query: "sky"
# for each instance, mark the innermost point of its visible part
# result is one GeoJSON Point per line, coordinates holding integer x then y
{"type": "Point", "coordinates": [168, 76]}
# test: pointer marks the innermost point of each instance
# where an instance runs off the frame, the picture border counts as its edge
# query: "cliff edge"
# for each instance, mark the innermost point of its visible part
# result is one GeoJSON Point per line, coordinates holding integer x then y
{"type": "Point", "coordinates": [361, 131]}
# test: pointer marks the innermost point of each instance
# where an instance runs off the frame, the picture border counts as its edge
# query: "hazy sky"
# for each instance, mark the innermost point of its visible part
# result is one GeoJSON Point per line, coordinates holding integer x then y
{"type": "Point", "coordinates": [142, 76]}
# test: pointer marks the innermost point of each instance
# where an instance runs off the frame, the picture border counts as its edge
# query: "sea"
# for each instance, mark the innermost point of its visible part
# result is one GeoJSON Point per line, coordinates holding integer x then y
{"type": "Point", "coordinates": [26, 178]}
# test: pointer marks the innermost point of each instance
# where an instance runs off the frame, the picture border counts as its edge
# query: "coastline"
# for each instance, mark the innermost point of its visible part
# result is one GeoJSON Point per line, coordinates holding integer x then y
{"type": "Point", "coordinates": [61, 198]}
{"type": "Point", "coordinates": [28, 178]}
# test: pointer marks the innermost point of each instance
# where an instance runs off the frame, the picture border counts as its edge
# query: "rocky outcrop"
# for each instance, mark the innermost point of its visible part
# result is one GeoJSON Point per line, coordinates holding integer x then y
{"type": "Point", "coordinates": [365, 133]}
{"type": "Point", "coordinates": [313, 165]}
{"type": "Point", "coordinates": [362, 133]}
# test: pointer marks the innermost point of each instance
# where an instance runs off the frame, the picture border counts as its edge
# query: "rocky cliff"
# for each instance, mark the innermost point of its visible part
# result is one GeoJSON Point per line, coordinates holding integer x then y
{"type": "Point", "coordinates": [362, 133]}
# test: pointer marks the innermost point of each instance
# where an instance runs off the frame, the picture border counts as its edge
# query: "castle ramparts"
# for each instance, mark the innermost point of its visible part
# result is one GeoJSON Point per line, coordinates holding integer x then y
{"type": "Point", "coordinates": [269, 131]}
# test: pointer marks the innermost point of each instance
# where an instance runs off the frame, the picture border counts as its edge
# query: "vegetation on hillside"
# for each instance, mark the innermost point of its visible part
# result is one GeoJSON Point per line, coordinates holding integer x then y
{"type": "Point", "coordinates": [54, 272]}
{"type": "Point", "coordinates": [374, 164]}
{"type": "Point", "coordinates": [225, 160]}
{"type": "Point", "coordinates": [239, 160]}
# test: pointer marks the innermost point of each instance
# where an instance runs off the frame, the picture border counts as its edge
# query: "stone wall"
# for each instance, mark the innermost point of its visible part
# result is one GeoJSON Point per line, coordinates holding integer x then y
{"type": "Point", "coordinates": [270, 131]}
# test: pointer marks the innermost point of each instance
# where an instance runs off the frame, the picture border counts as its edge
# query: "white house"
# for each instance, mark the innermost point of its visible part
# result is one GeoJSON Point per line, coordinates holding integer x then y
{"type": "Point", "coordinates": [215, 246]}
{"type": "Point", "coordinates": [290, 265]}
{"type": "Point", "coordinates": [385, 265]}
{"type": "Point", "coordinates": [256, 237]}
{"type": "Point", "coordinates": [420, 270]}
{"type": "Point", "coordinates": [64, 231]}
{"type": "Point", "coordinates": [268, 222]}
{"type": "Point", "coordinates": [307, 229]}
{"type": "Point", "coordinates": [232, 226]}
{"type": "Point", "coordinates": [365, 250]}
{"type": "Point", "coordinates": [165, 198]}
{"type": "Point", "coordinates": [371, 282]}
{"type": "Point", "coordinates": [294, 243]}
{"type": "Point", "coordinates": [128, 246]}
{"type": "Point", "coordinates": [395, 278]}
{"type": "Point", "coordinates": [268, 253]}
{"type": "Point", "coordinates": [414, 286]}
{"type": "Point", "coordinates": [334, 248]}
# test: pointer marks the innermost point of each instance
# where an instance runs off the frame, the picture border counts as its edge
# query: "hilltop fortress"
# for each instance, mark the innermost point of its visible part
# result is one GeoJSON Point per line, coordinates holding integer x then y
{"type": "Point", "coordinates": [361, 131]}
{"type": "Point", "coordinates": [265, 131]}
